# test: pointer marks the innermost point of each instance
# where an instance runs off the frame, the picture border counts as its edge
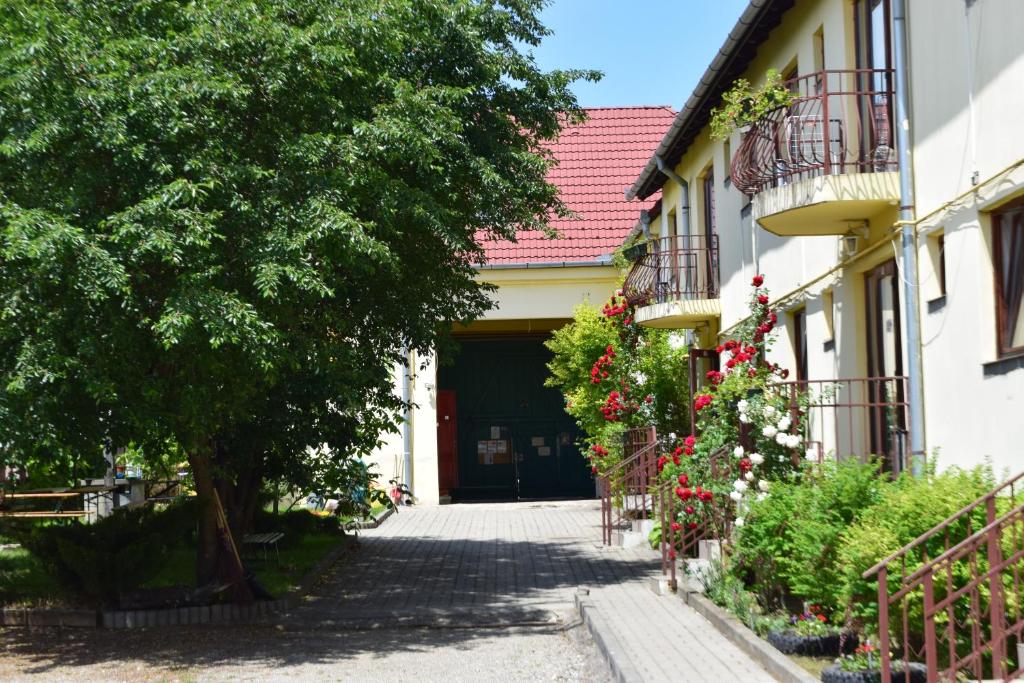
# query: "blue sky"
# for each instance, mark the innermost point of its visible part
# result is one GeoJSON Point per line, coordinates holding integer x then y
{"type": "Point", "coordinates": [651, 51]}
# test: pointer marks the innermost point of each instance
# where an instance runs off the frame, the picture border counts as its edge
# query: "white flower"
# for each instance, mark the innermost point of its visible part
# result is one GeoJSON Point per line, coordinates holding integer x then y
{"type": "Point", "coordinates": [736, 495]}
{"type": "Point", "coordinates": [794, 440]}
{"type": "Point", "coordinates": [749, 476]}
{"type": "Point", "coordinates": [740, 485]}
{"type": "Point", "coordinates": [784, 423]}
{"type": "Point", "coordinates": [763, 485]}
{"type": "Point", "coordinates": [782, 438]}
{"type": "Point", "coordinates": [738, 451]}
{"type": "Point", "coordinates": [672, 436]}
{"type": "Point", "coordinates": [676, 341]}
{"type": "Point", "coordinates": [742, 405]}
{"type": "Point", "coordinates": [769, 431]}
{"type": "Point", "coordinates": [782, 458]}
{"type": "Point", "coordinates": [739, 521]}
{"type": "Point", "coordinates": [744, 418]}
{"type": "Point", "coordinates": [756, 458]}
{"type": "Point", "coordinates": [769, 411]}
{"type": "Point", "coordinates": [811, 454]}
{"type": "Point", "coordinates": [761, 496]}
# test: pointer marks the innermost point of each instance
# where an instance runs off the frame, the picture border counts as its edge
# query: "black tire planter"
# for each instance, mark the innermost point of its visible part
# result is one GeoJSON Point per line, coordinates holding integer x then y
{"type": "Point", "coordinates": [792, 643]}
{"type": "Point", "coordinates": [833, 674]}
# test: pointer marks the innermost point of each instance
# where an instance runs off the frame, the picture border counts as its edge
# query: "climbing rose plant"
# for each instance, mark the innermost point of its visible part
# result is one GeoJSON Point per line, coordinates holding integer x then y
{"type": "Point", "coordinates": [617, 375]}
{"type": "Point", "coordinates": [749, 428]}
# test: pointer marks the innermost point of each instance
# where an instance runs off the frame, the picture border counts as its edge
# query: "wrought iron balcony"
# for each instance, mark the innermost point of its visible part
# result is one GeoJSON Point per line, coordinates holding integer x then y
{"type": "Point", "coordinates": [839, 122]}
{"type": "Point", "coordinates": [674, 281]}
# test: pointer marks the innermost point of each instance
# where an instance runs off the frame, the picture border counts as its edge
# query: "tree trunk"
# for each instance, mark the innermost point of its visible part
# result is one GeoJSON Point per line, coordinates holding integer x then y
{"type": "Point", "coordinates": [208, 546]}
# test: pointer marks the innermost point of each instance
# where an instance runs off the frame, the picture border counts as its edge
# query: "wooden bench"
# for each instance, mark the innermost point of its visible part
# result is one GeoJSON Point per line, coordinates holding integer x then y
{"type": "Point", "coordinates": [264, 541]}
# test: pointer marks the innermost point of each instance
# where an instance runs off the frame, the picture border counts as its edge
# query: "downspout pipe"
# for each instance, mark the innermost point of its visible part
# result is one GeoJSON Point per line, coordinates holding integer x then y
{"type": "Point", "coordinates": [684, 193]}
{"type": "Point", "coordinates": [908, 237]}
{"type": "Point", "coordinates": [684, 215]}
{"type": "Point", "coordinates": [407, 417]}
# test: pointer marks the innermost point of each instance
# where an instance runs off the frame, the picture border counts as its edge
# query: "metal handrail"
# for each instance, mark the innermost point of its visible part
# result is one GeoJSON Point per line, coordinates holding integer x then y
{"type": "Point", "coordinates": [630, 476]}
{"type": "Point", "coordinates": [840, 121]}
{"type": "Point", "coordinates": [941, 526]}
{"type": "Point", "coordinates": [676, 267]}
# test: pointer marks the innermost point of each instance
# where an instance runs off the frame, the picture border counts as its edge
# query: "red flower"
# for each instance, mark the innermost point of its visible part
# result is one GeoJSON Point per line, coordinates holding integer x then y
{"type": "Point", "coordinates": [751, 372]}
{"type": "Point", "coordinates": [675, 459]}
{"type": "Point", "coordinates": [677, 451]}
{"type": "Point", "coordinates": [648, 399]}
{"type": "Point", "coordinates": [593, 470]}
{"type": "Point", "coordinates": [676, 526]}
{"type": "Point", "coordinates": [683, 480]}
{"type": "Point", "coordinates": [731, 363]}
{"type": "Point", "coordinates": [701, 401]}
{"type": "Point", "coordinates": [758, 280]}
{"type": "Point", "coordinates": [688, 450]}
{"type": "Point", "coordinates": [684, 493]}
{"type": "Point", "coordinates": [690, 440]}
{"type": "Point", "coordinates": [689, 510]}
{"type": "Point", "coordinates": [751, 350]}
{"type": "Point", "coordinates": [707, 496]}
{"type": "Point", "coordinates": [745, 464]}
{"type": "Point", "coordinates": [719, 348]}
{"type": "Point", "coordinates": [627, 321]}
{"type": "Point", "coordinates": [662, 461]}
{"type": "Point", "coordinates": [672, 554]}
{"type": "Point", "coordinates": [692, 525]}
{"type": "Point", "coordinates": [762, 299]}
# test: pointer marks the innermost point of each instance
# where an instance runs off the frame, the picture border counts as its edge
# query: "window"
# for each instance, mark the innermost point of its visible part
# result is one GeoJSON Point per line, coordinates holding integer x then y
{"type": "Point", "coordinates": [727, 162]}
{"type": "Point", "coordinates": [1008, 262]}
{"type": "Point", "coordinates": [709, 205]}
{"type": "Point", "coordinates": [800, 343]}
{"type": "Point", "coordinates": [934, 285]}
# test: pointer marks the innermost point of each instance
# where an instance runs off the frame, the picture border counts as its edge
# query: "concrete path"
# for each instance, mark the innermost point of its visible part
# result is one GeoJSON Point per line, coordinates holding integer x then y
{"type": "Point", "coordinates": [455, 593]}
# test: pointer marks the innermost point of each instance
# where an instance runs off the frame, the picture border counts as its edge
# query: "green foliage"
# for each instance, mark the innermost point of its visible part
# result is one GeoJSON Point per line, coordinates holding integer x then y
{"type": "Point", "coordinates": [646, 363]}
{"type": "Point", "coordinates": [295, 525]}
{"type": "Point", "coordinates": [222, 221]}
{"type": "Point", "coordinates": [790, 542]}
{"type": "Point", "coordinates": [907, 509]}
{"type": "Point", "coordinates": [102, 560]}
{"type": "Point", "coordinates": [723, 588]}
{"type": "Point", "coordinates": [742, 105]}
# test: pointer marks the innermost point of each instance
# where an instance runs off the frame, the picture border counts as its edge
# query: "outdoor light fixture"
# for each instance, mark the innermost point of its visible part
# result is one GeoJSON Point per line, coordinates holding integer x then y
{"type": "Point", "coordinates": [850, 241]}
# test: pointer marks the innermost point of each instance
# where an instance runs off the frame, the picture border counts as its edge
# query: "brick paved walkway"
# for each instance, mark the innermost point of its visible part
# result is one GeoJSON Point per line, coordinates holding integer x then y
{"type": "Point", "coordinates": [489, 564]}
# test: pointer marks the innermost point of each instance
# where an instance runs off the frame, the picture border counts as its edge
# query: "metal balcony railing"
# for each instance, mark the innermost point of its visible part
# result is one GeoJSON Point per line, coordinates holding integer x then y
{"type": "Point", "coordinates": [839, 122]}
{"type": "Point", "coordinates": [674, 268]}
{"type": "Point", "coordinates": [625, 489]}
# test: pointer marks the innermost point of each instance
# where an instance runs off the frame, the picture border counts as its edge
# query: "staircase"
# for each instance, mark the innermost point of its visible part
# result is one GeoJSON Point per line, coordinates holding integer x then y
{"type": "Point", "coordinates": [627, 503]}
{"type": "Point", "coordinates": [960, 607]}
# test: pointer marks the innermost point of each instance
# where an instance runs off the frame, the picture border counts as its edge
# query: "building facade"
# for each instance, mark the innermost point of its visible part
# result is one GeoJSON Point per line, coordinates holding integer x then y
{"type": "Point", "coordinates": [483, 424]}
{"type": "Point", "coordinates": [808, 194]}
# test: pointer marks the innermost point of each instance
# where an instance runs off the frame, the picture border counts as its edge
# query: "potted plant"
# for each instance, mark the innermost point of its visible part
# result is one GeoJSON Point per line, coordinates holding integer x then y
{"type": "Point", "coordinates": [863, 665]}
{"type": "Point", "coordinates": [742, 105]}
{"type": "Point", "coordinates": [811, 633]}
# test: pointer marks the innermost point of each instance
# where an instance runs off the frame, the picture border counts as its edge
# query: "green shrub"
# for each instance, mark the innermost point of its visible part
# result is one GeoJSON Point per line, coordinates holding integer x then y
{"type": "Point", "coordinates": [116, 554]}
{"type": "Point", "coordinates": [789, 543]}
{"type": "Point", "coordinates": [295, 524]}
{"type": "Point", "coordinates": [908, 508]}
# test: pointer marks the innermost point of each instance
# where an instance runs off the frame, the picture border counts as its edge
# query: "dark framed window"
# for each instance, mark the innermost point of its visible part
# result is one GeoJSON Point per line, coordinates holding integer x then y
{"type": "Point", "coordinates": [1008, 264]}
{"type": "Point", "coordinates": [800, 343]}
{"type": "Point", "coordinates": [709, 205]}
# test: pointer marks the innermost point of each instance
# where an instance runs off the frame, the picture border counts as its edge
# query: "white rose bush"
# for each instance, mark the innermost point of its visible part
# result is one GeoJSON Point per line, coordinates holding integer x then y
{"type": "Point", "coordinates": [749, 430]}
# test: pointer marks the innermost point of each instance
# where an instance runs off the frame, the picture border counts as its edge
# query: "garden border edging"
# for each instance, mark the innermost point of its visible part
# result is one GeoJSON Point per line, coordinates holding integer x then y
{"type": "Point", "coordinates": [175, 616]}
{"type": "Point", "coordinates": [777, 664]}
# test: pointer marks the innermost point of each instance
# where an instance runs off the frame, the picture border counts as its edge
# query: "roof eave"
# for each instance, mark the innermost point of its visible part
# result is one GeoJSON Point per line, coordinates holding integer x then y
{"type": "Point", "coordinates": [714, 81]}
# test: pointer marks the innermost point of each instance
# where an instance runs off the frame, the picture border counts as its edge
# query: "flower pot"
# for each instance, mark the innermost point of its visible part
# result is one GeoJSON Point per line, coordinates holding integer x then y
{"type": "Point", "coordinates": [834, 674]}
{"type": "Point", "coordinates": [792, 643]}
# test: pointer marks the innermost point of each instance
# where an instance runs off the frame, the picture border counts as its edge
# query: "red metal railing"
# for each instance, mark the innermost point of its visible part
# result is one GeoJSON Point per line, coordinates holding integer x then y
{"type": "Point", "coordinates": [956, 592]}
{"type": "Point", "coordinates": [839, 122]}
{"type": "Point", "coordinates": [674, 268]}
{"type": "Point", "coordinates": [625, 489]}
{"type": "Point", "coordinates": [854, 417]}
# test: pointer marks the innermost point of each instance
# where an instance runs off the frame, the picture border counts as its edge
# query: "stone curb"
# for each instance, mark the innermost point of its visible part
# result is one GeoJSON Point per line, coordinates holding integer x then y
{"type": "Point", "coordinates": [777, 664]}
{"type": "Point", "coordinates": [377, 521]}
{"type": "Point", "coordinates": [615, 653]}
{"type": "Point", "coordinates": [175, 616]}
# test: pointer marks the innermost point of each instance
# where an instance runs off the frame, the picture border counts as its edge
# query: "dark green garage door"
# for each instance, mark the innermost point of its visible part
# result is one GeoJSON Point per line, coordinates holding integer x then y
{"type": "Point", "coordinates": [514, 438]}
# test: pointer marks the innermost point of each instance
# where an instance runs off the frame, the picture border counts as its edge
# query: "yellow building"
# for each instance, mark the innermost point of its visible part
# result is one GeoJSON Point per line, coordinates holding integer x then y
{"type": "Point", "coordinates": [809, 194]}
{"type": "Point", "coordinates": [484, 425]}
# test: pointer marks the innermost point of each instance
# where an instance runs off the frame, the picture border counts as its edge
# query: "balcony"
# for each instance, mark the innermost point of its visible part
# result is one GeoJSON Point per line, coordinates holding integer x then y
{"type": "Point", "coordinates": [826, 160]}
{"type": "Point", "coordinates": [674, 282]}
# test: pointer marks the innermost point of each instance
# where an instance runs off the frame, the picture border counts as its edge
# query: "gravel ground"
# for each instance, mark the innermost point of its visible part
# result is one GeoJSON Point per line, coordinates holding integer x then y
{"type": "Point", "coordinates": [269, 652]}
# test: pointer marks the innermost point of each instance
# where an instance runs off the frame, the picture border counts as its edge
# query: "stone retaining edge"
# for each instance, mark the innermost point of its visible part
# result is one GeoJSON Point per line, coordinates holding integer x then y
{"type": "Point", "coordinates": [174, 616]}
{"type": "Point", "coordinates": [777, 664]}
{"type": "Point", "coordinates": [614, 652]}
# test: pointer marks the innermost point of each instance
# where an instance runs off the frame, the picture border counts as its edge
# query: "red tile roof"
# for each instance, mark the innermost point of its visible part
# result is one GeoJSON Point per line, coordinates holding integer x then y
{"type": "Point", "coordinates": [597, 161]}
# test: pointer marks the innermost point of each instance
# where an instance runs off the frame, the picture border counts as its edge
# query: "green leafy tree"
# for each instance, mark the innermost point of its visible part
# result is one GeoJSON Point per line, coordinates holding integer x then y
{"type": "Point", "coordinates": [616, 375]}
{"type": "Point", "coordinates": [221, 221]}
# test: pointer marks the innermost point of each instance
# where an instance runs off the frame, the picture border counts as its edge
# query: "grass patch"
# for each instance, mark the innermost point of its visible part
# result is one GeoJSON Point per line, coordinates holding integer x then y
{"type": "Point", "coordinates": [23, 583]}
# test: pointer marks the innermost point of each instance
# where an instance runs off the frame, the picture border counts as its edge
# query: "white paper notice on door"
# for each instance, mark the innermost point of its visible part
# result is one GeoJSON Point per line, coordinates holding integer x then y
{"type": "Point", "coordinates": [495, 432]}
{"type": "Point", "coordinates": [537, 441]}
{"type": "Point", "coordinates": [544, 451]}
